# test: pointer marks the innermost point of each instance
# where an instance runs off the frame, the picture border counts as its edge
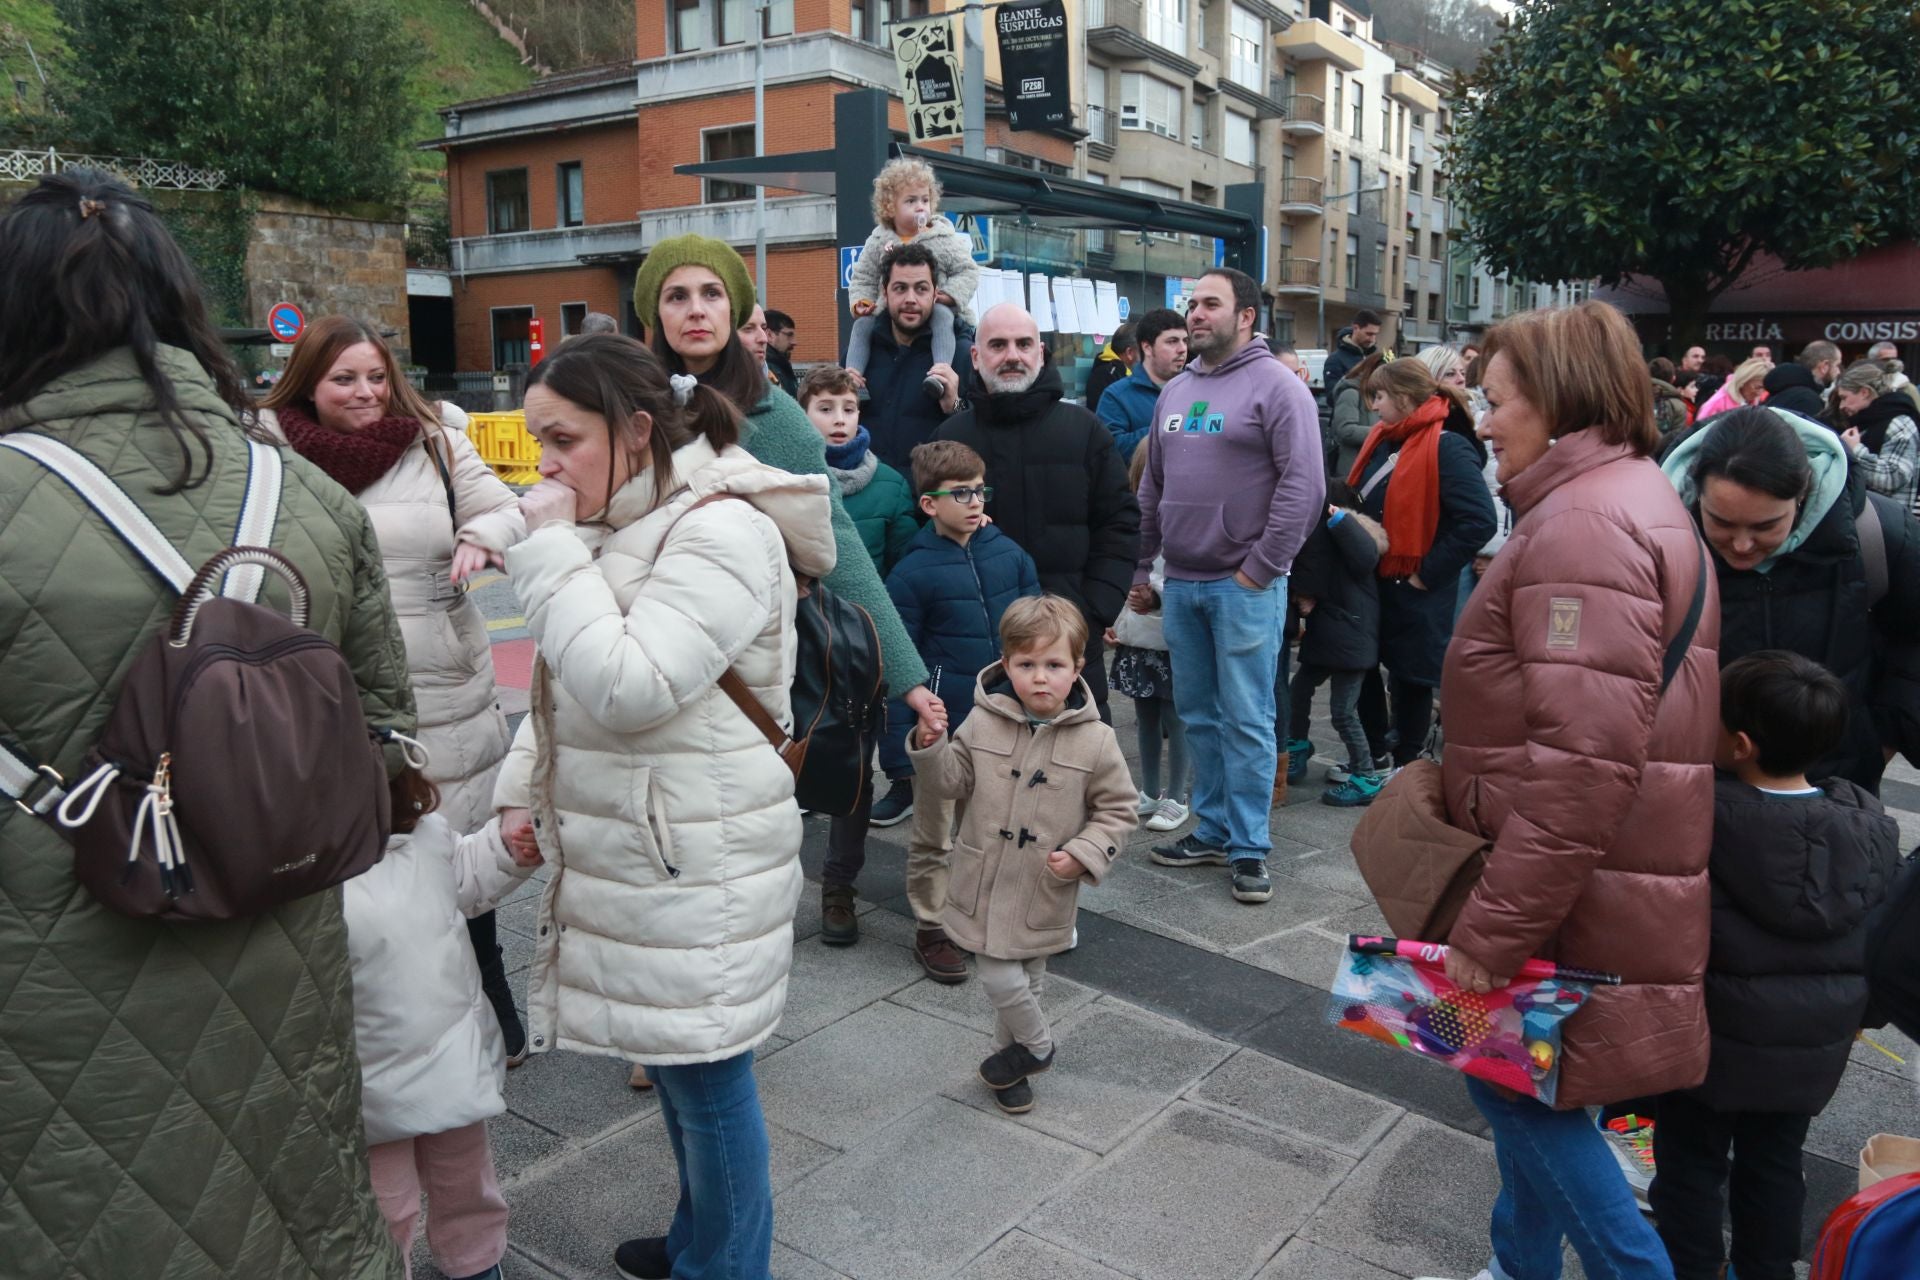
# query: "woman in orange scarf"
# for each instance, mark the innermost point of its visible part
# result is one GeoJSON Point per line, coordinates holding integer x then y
{"type": "Point", "coordinates": [1419, 474]}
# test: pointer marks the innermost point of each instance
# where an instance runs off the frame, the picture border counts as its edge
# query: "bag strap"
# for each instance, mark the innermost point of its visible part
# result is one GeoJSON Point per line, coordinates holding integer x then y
{"type": "Point", "coordinates": [1873, 551]}
{"type": "Point", "coordinates": [37, 788]}
{"type": "Point", "coordinates": [446, 481]}
{"type": "Point", "coordinates": [1677, 650]}
{"type": "Point", "coordinates": [734, 687]}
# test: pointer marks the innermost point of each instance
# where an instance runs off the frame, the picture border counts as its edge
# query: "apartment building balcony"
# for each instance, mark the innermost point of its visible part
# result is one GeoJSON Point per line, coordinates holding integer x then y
{"type": "Point", "coordinates": [1103, 132]}
{"type": "Point", "coordinates": [1314, 41]}
{"type": "Point", "coordinates": [1302, 196]}
{"type": "Point", "coordinates": [1412, 92]}
{"type": "Point", "coordinates": [1297, 277]}
{"type": "Point", "coordinates": [1121, 28]}
{"type": "Point", "coordinates": [1302, 115]}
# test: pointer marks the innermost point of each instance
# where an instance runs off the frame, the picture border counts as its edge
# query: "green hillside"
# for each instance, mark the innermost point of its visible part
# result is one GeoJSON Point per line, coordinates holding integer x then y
{"type": "Point", "coordinates": [464, 59]}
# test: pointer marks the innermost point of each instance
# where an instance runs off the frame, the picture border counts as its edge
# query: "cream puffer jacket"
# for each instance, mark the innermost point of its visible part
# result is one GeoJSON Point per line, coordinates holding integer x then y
{"type": "Point", "coordinates": [431, 1057]}
{"type": "Point", "coordinates": [666, 932]}
{"type": "Point", "coordinates": [449, 658]}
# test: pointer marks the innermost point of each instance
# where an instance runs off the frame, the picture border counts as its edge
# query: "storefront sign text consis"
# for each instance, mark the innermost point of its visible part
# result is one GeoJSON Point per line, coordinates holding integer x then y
{"type": "Point", "coordinates": [1833, 330]}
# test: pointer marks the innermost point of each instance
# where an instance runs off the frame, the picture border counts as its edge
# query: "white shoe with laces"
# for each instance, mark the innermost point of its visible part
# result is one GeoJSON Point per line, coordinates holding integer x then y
{"type": "Point", "coordinates": [1168, 815]}
{"type": "Point", "coordinates": [1146, 805]}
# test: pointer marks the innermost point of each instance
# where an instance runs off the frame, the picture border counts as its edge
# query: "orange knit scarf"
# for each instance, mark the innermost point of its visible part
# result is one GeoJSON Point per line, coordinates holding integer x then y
{"type": "Point", "coordinates": [1412, 508]}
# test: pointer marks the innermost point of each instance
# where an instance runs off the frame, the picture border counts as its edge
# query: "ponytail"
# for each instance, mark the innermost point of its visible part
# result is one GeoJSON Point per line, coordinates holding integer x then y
{"type": "Point", "coordinates": [708, 412]}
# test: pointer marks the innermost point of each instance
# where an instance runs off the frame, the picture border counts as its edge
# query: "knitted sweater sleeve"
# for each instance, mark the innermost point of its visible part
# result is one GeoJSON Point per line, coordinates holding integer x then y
{"type": "Point", "coordinates": [779, 434]}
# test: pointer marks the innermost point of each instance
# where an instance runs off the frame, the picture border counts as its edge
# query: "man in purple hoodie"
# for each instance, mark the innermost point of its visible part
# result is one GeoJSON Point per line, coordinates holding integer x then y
{"type": "Point", "coordinates": [1235, 480]}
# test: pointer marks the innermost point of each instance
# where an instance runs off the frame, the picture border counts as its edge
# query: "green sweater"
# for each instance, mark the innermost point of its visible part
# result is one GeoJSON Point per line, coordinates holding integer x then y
{"type": "Point", "coordinates": [779, 434]}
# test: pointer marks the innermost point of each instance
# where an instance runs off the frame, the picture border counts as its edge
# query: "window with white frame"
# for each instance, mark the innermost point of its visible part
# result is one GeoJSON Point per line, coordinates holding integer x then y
{"type": "Point", "coordinates": [1147, 102]}
{"type": "Point", "coordinates": [1167, 24]}
{"type": "Point", "coordinates": [1159, 191]}
{"type": "Point", "coordinates": [1246, 39]}
{"type": "Point", "coordinates": [1359, 111]}
{"type": "Point", "coordinates": [1240, 139]}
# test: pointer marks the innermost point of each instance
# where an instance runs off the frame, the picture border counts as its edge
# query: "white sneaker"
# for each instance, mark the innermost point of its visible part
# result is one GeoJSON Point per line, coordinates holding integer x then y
{"type": "Point", "coordinates": [1146, 805]}
{"type": "Point", "coordinates": [1169, 815]}
{"type": "Point", "coordinates": [1633, 1152]}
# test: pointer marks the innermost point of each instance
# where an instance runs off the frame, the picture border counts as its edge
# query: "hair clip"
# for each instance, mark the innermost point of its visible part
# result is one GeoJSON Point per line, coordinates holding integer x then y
{"type": "Point", "coordinates": [90, 207]}
{"type": "Point", "coordinates": [683, 385]}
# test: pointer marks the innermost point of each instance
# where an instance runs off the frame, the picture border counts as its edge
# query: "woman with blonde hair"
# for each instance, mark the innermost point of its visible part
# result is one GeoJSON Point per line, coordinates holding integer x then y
{"type": "Point", "coordinates": [441, 515]}
{"type": "Point", "coordinates": [1744, 386]}
{"type": "Point", "coordinates": [1879, 432]}
{"type": "Point", "coordinates": [1418, 474]}
{"type": "Point", "coordinates": [1587, 659]}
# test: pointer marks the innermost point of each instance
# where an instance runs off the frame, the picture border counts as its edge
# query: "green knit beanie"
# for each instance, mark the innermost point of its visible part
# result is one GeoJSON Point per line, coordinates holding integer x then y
{"type": "Point", "coordinates": [716, 256]}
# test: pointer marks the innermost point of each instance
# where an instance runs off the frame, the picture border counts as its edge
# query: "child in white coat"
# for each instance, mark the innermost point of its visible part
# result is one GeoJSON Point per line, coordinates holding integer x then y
{"type": "Point", "coordinates": [432, 1062]}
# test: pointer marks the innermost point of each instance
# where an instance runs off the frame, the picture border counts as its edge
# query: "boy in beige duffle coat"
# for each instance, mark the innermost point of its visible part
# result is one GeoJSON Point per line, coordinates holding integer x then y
{"type": "Point", "coordinates": [1049, 803]}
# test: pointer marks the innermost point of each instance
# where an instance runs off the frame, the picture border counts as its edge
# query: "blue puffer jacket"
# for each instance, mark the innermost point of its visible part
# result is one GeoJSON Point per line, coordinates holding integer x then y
{"type": "Point", "coordinates": [951, 597]}
{"type": "Point", "coordinates": [1127, 409]}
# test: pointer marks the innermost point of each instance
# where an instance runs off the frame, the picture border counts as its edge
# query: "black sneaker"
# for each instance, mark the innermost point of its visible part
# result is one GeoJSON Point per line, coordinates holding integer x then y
{"type": "Point", "coordinates": [1011, 1065]}
{"type": "Point", "coordinates": [1250, 882]}
{"type": "Point", "coordinates": [644, 1259]}
{"type": "Point", "coordinates": [1189, 851]}
{"type": "Point", "coordinates": [839, 925]}
{"type": "Point", "coordinates": [1015, 1099]}
{"type": "Point", "coordinates": [894, 807]}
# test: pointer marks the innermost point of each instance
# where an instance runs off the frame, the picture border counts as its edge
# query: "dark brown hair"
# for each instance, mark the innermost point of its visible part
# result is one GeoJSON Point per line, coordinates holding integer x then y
{"type": "Point", "coordinates": [413, 799]}
{"type": "Point", "coordinates": [1581, 368]}
{"type": "Point", "coordinates": [826, 380]}
{"type": "Point", "coordinates": [317, 351]}
{"type": "Point", "coordinates": [939, 461]}
{"type": "Point", "coordinates": [616, 377]}
{"type": "Point", "coordinates": [88, 269]}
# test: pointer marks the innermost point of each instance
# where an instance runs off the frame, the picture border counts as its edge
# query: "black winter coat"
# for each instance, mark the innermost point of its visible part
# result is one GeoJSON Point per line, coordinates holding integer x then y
{"type": "Point", "coordinates": [1103, 375]}
{"type": "Point", "coordinates": [1415, 625]}
{"type": "Point", "coordinates": [1814, 601]}
{"type": "Point", "coordinates": [1791, 386]}
{"type": "Point", "coordinates": [899, 414]}
{"type": "Point", "coordinates": [1346, 353]}
{"type": "Point", "coordinates": [1061, 492]}
{"type": "Point", "coordinates": [1336, 570]}
{"type": "Point", "coordinates": [1795, 880]}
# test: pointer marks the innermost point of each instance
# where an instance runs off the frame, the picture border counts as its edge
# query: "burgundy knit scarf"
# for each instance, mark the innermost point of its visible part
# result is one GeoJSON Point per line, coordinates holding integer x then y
{"type": "Point", "coordinates": [354, 459]}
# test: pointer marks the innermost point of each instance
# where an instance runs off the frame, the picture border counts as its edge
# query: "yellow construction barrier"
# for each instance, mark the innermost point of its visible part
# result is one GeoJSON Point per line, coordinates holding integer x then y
{"type": "Point", "coordinates": [503, 443]}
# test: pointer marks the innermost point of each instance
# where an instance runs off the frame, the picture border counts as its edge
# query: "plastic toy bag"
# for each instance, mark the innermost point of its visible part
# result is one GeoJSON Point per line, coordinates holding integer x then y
{"type": "Point", "coordinates": [1398, 993]}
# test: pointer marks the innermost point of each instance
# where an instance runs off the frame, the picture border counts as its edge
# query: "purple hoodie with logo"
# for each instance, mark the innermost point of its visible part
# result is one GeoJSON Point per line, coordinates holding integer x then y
{"type": "Point", "coordinates": [1235, 475]}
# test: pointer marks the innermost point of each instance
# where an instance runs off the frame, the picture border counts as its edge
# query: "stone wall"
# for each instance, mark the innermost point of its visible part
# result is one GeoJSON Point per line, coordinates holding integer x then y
{"type": "Point", "coordinates": [329, 263]}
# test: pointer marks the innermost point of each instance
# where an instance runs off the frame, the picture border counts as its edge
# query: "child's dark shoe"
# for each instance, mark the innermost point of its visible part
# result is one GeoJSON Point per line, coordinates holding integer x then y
{"type": "Point", "coordinates": [1011, 1065]}
{"type": "Point", "coordinates": [839, 924]}
{"type": "Point", "coordinates": [1015, 1099]}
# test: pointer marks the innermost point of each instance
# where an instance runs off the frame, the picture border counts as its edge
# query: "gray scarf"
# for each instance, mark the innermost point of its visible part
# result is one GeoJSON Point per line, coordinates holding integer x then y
{"type": "Point", "coordinates": [857, 478]}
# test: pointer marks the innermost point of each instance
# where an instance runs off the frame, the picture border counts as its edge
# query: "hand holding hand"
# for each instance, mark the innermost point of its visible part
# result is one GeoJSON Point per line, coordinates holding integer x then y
{"type": "Point", "coordinates": [1469, 974]}
{"type": "Point", "coordinates": [548, 502]}
{"type": "Point", "coordinates": [470, 558]}
{"type": "Point", "coordinates": [930, 732]}
{"type": "Point", "coordinates": [1141, 599]}
{"type": "Point", "coordinates": [1063, 865]}
{"type": "Point", "coordinates": [862, 308]}
{"type": "Point", "coordinates": [516, 831]}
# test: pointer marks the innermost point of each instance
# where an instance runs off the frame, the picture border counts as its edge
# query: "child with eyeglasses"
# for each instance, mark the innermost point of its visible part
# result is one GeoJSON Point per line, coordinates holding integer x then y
{"type": "Point", "coordinates": [957, 577]}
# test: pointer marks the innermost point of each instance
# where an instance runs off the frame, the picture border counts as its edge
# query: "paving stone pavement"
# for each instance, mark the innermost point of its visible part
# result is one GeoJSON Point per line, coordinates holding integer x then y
{"type": "Point", "coordinates": [1203, 1122]}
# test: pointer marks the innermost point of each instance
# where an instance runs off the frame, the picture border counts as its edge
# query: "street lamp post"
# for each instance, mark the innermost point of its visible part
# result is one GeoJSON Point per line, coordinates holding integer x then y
{"type": "Point", "coordinates": [760, 9]}
{"type": "Point", "coordinates": [1356, 192]}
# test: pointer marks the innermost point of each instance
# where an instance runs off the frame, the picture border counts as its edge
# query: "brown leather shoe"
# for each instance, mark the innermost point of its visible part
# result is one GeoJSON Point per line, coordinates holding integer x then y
{"type": "Point", "coordinates": [936, 953]}
{"type": "Point", "coordinates": [839, 926]}
{"type": "Point", "coordinates": [1280, 781]}
{"type": "Point", "coordinates": [638, 1080]}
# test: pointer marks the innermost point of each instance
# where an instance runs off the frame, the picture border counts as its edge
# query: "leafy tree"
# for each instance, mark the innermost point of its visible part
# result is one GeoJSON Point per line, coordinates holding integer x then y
{"type": "Point", "coordinates": [301, 96]}
{"type": "Point", "coordinates": [1677, 139]}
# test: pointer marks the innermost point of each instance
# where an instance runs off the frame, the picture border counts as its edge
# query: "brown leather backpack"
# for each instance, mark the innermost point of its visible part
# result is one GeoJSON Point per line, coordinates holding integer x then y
{"type": "Point", "coordinates": [236, 771]}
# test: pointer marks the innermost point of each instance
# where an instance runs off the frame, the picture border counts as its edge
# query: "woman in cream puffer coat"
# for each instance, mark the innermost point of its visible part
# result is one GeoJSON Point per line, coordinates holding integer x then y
{"type": "Point", "coordinates": [666, 931]}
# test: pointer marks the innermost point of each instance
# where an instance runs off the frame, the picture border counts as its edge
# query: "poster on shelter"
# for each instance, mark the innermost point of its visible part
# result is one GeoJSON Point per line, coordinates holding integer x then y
{"type": "Point", "coordinates": [1033, 63]}
{"type": "Point", "coordinates": [929, 77]}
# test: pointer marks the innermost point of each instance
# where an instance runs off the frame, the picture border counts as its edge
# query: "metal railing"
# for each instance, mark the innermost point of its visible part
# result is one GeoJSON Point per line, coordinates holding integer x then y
{"type": "Point", "coordinates": [1298, 271]}
{"type": "Point", "coordinates": [141, 171]}
{"type": "Point", "coordinates": [1301, 190]}
{"type": "Point", "coordinates": [1301, 108]}
{"type": "Point", "coordinates": [1103, 126]}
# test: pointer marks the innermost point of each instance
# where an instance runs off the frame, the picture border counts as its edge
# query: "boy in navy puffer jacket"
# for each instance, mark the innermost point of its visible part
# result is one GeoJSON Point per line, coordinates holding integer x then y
{"type": "Point", "coordinates": [1797, 871]}
{"type": "Point", "coordinates": [957, 577]}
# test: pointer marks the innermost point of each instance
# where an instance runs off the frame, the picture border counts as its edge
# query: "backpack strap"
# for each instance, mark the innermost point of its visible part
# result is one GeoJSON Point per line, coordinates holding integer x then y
{"type": "Point", "coordinates": [1873, 551]}
{"type": "Point", "coordinates": [259, 512]}
{"type": "Point", "coordinates": [1677, 650]}
{"type": "Point", "coordinates": [109, 502]}
{"type": "Point", "coordinates": [793, 753]}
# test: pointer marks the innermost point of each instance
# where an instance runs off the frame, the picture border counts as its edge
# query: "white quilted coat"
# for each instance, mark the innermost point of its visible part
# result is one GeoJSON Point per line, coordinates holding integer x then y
{"type": "Point", "coordinates": [431, 1057]}
{"type": "Point", "coordinates": [449, 658]}
{"type": "Point", "coordinates": [666, 932]}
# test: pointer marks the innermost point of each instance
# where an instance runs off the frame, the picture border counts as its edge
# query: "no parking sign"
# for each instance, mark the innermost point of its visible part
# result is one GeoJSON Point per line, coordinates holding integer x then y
{"type": "Point", "coordinates": [286, 321]}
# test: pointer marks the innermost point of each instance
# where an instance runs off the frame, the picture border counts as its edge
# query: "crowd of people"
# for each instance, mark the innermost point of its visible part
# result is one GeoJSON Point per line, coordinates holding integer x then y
{"type": "Point", "coordinates": [1535, 561]}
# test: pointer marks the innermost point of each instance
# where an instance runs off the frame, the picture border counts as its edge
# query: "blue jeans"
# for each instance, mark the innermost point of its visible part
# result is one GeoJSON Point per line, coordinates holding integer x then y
{"type": "Point", "coordinates": [723, 1227]}
{"type": "Point", "coordinates": [1224, 641]}
{"type": "Point", "coordinates": [1558, 1180]}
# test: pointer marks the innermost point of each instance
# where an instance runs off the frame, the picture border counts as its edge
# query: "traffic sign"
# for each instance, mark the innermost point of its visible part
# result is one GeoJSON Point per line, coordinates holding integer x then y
{"type": "Point", "coordinates": [1126, 306]}
{"type": "Point", "coordinates": [280, 350]}
{"type": "Point", "coordinates": [848, 256]}
{"type": "Point", "coordinates": [286, 321]}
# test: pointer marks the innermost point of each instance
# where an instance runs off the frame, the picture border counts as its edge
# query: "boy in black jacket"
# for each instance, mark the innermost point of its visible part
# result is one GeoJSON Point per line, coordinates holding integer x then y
{"type": "Point", "coordinates": [1335, 587]}
{"type": "Point", "coordinates": [1797, 871]}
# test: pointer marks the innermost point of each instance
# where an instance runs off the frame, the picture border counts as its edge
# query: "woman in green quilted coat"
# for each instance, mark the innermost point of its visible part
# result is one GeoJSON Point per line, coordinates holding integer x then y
{"type": "Point", "coordinates": [176, 1101]}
